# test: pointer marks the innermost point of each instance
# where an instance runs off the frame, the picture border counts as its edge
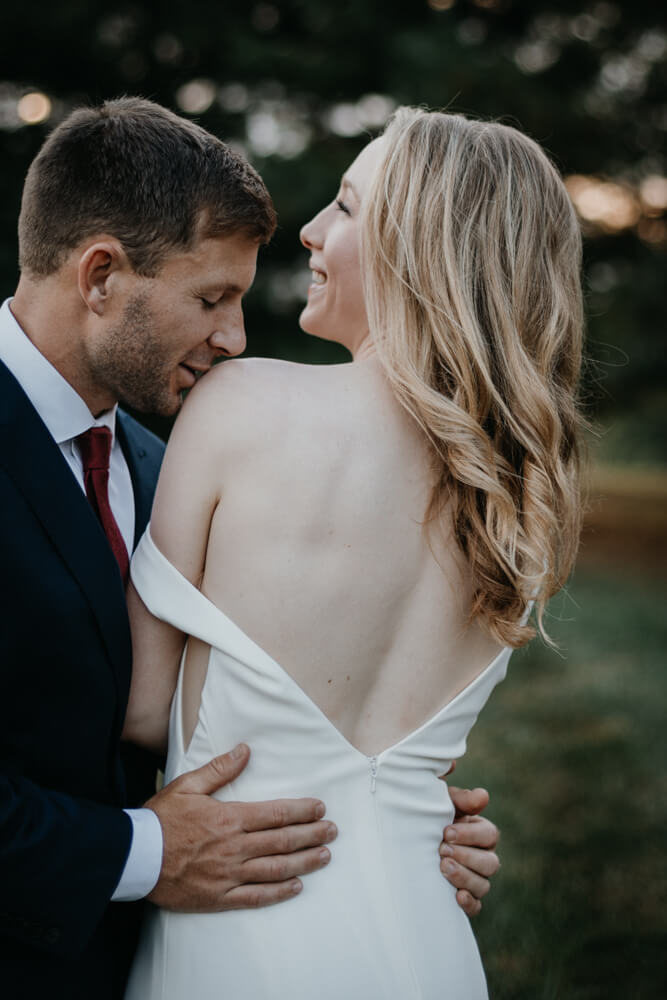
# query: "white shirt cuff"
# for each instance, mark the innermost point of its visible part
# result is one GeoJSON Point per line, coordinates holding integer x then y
{"type": "Point", "coordinates": [142, 868]}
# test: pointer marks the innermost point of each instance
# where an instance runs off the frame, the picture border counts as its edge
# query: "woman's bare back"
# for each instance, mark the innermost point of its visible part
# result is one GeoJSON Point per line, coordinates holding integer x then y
{"type": "Point", "coordinates": [318, 550]}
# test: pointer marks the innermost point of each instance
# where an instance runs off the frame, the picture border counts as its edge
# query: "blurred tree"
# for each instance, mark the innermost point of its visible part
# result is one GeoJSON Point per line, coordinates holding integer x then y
{"type": "Point", "coordinates": [300, 86]}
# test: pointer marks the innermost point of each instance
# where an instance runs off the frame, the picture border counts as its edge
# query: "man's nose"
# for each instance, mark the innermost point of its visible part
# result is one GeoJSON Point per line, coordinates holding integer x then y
{"type": "Point", "coordinates": [230, 339]}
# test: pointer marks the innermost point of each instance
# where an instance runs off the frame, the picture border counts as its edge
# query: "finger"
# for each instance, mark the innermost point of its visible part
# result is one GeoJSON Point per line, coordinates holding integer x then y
{"type": "Point", "coordinates": [218, 772]}
{"type": "Point", "coordinates": [482, 862]}
{"type": "Point", "coordinates": [468, 903]}
{"type": "Point", "coordinates": [469, 802]}
{"type": "Point", "coordinates": [463, 878]}
{"type": "Point", "coordinates": [473, 831]}
{"type": "Point", "coordinates": [253, 896]}
{"type": "Point", "coordinates": [285, 866]}
{"type": "Point", "coordinates": [279, 812]}
{"type": "Point", "coordinates": [287, 839]}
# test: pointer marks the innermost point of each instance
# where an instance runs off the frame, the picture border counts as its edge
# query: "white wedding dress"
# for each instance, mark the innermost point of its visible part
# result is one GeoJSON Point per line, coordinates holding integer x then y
{"type": "Point", "coordinates": [380, 921]}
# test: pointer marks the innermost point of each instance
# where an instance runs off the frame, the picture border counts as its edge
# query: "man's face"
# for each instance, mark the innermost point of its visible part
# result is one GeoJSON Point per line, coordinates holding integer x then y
{"type": "Point", "coordinates": [174, 326]}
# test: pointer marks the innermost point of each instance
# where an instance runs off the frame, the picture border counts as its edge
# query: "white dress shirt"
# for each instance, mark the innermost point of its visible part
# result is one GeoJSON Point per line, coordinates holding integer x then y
{"type": "Point", "coordinates": [66, 416]}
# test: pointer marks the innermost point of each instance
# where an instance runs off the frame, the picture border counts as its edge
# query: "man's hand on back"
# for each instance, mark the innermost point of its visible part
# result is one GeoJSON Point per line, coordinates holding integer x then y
{"type": "Point", "coordinates": [227, 855]}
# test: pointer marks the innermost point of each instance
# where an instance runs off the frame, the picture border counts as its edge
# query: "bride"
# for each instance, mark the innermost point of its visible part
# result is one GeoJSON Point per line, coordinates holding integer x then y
{"type": "Point", "coordinates": [354, 550]}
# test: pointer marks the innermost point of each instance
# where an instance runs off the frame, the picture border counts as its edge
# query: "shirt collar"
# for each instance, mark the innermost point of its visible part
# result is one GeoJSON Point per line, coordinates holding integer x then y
{"type": "Point", "coordinates": [59, 405]}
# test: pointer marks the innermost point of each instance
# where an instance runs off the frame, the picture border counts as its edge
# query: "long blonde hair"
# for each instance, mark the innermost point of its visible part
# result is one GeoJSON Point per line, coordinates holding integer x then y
{"type": "Point", "coordinates": [471, 255]}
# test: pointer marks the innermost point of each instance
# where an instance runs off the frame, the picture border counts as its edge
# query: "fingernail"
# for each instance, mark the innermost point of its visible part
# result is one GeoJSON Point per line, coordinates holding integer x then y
{"type": "Point", "coordinates": [449, 867]}
{"type": "Point", "coordinates": [450, 834]}
{"type": "Point", "coordinates": [446, 850]}
{"type": "Point", "coordinates": [332, 832]}
{"type": "Point", "coordinates": [238, 751]}
{"type": "Point", "coordinates": [320, 810]}
{"type": "Point", "coordinates": [325, 856]}
{"type": "Point", "coordinates": [297, 887]}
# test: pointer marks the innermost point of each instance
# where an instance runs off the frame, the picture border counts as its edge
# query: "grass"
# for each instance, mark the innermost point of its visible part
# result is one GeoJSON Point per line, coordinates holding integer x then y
{"type": "Point", "coordinates": [573, 749]}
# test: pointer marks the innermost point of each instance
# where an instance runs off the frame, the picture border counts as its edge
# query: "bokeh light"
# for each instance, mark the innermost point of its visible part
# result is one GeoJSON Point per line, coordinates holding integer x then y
{"type": "Point", "coordinates": [196, 96]}
{"type": "Point", "coordinates": [33, 108]}
{"type": "Point", "coordinates": [653, 193]}
{"type": "Point", "coordinates": [607, 204]}
{"type": "Point", "coordinates": [441, 4]}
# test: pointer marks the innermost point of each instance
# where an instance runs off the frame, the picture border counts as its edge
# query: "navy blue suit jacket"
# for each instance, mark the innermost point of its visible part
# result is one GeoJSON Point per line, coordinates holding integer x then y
{"type": "Point", "coordinates": [65, 661]}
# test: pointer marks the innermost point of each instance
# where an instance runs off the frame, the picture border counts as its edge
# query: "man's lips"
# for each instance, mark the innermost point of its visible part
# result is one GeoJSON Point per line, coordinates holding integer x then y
{"type": "Point", "coordinates": [193, 372]}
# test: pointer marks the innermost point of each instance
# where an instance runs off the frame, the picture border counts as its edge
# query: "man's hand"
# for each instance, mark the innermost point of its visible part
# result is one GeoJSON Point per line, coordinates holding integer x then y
{"type": "Point", "coordinates": [467, 852]}
{"type": "Point", "coordinates": [227, 855]}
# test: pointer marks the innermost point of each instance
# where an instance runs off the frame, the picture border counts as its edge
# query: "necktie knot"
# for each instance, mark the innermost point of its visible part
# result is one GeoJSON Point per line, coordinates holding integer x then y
{"type": "Point", "coordinates": [95, 446]}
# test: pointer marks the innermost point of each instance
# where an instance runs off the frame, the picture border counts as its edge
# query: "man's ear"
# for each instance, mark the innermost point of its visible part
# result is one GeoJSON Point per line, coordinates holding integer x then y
{"type": "Point", "coordinates": [99, 266]}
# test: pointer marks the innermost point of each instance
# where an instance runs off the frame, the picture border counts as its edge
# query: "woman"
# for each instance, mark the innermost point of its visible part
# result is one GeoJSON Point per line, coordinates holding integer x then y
{"type": "Point", "coordinates": [376, 533]}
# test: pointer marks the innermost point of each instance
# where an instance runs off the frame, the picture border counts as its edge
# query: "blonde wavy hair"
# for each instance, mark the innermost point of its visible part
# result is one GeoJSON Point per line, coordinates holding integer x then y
{"type": "Point", "coordinates": [471, 255]}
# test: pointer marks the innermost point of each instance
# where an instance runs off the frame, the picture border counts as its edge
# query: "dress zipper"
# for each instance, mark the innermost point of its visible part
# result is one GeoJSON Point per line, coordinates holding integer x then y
{"type": "Point", "coordinates": [373, 761]}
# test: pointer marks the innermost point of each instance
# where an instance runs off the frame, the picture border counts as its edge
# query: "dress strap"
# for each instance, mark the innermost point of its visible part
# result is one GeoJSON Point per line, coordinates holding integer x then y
{"type": "Point", "coordinates": [177, 601]}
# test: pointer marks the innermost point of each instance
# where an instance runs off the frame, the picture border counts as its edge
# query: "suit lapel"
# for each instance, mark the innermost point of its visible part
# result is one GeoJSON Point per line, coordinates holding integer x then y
{"type": "Point", "coordinates": [35, 463]}
{"type": "Point", "coordinates": [143, 472]}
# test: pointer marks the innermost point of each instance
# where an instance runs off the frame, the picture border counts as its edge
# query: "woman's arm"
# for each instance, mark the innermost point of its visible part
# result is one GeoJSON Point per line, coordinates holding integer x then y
{"type": "Point", "coordinates": [156, 653]}
{"type": "Point", "coordinates": [185, 501]}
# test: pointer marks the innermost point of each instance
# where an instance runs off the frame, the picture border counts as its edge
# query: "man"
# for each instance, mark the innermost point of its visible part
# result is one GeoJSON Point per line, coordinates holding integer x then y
{"type": "Point", "coordinates": [138, 237]}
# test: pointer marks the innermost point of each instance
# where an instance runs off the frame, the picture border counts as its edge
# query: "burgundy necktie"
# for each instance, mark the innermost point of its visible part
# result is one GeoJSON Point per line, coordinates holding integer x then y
{"type": "Point", "coordinates": [95, 445]}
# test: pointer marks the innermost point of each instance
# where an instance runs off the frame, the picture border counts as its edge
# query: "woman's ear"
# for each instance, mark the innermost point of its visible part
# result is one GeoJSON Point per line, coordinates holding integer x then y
{"type": "Point", "coordinates": [99, 264]}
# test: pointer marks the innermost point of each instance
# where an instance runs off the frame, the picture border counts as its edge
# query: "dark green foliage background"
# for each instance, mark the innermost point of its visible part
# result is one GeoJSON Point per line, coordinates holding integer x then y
{"type": "Point", "coordinates": [573, 750]}
{"type": "Point", "coordinates": [313, 55]}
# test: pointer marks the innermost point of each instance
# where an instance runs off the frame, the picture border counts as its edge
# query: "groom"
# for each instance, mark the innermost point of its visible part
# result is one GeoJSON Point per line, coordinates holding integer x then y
{"type": "Point", "coordinates": [114, 193]}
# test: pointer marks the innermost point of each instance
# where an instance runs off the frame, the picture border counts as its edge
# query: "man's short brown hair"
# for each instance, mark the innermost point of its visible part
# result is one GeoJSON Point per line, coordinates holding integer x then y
{"type": "Point", "coordinates": [134, 170]}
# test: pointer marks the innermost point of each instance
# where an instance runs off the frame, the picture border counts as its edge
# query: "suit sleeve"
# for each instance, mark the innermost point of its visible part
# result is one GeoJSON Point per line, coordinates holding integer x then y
{"type": "Point", "coordinates": [60, 860]}
{"type": "Point", "coordinates": [65, 658]}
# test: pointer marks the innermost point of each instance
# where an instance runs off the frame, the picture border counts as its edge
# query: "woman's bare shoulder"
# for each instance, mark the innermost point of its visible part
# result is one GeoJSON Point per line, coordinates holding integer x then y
{"type": "Point", "coordinates": [241, 374]}
{"type": "Point", "coordinates": [249, 401]}
{"type": "Point", "coordinates": [260, 386]}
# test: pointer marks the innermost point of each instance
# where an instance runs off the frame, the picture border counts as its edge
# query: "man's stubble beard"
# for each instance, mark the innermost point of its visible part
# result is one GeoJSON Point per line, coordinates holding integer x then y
{"type": "Point", "coordinates": [130, 362]}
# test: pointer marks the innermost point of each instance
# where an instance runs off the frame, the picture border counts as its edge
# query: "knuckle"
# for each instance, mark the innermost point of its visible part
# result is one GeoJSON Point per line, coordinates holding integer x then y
{"type": "Point", "coordinates": [284, 842]}
{"type": "Point", "coordinates": [175, 786]}
{"type": "Point", "coordinates": [219, 766]}
{"type": "Point", "coordinates": [276, 870]}
{"type": "Point", "coordinates": [491, 836]}
{"type": "Point", "coordinates": [227, 816]}
{"type": "Point", "coordinates": [279, 812]}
